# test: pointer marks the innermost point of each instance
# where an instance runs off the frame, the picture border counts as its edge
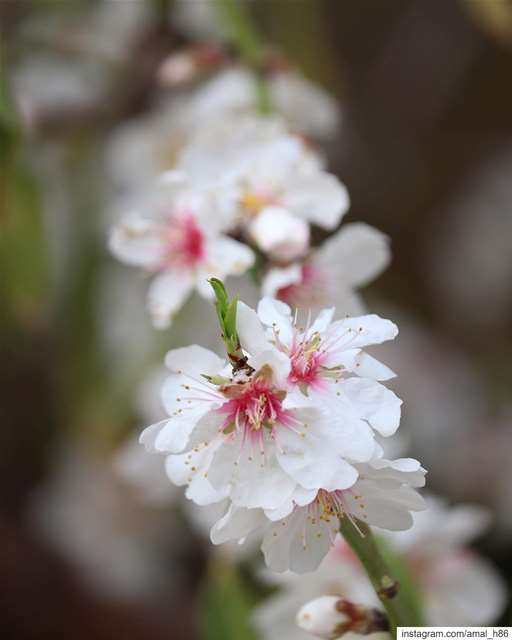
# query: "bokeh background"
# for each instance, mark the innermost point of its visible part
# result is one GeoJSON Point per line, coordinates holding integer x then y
{"type": "Point", "coordinates": [425, 149]}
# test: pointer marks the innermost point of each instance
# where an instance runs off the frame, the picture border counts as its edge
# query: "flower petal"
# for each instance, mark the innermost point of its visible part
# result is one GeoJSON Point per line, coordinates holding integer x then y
{"type": "Point", "coordinates": [250, 330]}
{"type": "Point", "coordinates": [298, 542]}
{"type": "Point", "coordinates": [358, 251]}
{"type": "Point", "coordinates": [319, 198]}
{"type": "Point", "coordinates": [372, 402]}
{"type": "Point", "coordinates": [361, 331]}
{"type": "Point", "coordinates": [309, 453]}
{"type": "Point", "coordinates": [137, 241]}
{"type": "Point", "coordinates": [167, 294]}
{"type": "Point", "coordinates": [255, 479]}
{"type": "Point", "coordinates": [278, 316]}
{"type": "Point", "coordinates": [227, 257]}
{"type": "Point", "coordinates": [192, 469]}
{"type": "Point", "coordinates": [194, 360]}
{"type": "Point", "coordinates": [280, 233]}
{"type": "Point", "coordinates": [236, 524]}
{"type": "Point", "coordinates": [277, 278]}
{"type": "Point", "coordinates": [387, 509]}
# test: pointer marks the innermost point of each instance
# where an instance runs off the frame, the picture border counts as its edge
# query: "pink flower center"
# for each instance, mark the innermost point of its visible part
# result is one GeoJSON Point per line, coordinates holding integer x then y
{"type": "Point", "coordinates": [184, 243]}
{"type": "Point", "coordinates": [306, 362]}
{"type": "Point", "coordinates": [253, 407]}
{"type": "Point", "coordinates": [309, 291]}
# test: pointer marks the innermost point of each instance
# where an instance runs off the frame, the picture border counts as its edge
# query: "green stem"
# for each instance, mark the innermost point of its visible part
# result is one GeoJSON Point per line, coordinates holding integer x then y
{"type": "Point", "coordinates": [383, 579]}
{"type": "Point", "coordinates": [244, 36]}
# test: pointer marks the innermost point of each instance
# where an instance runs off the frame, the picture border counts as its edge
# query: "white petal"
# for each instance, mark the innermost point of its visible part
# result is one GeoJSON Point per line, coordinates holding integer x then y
{"type": "Point", "coordinates": [236, 524]}
{"type": "Point", "coordinates": [194, 360]}
{"type": "Point", "coordinates": [361, 331]}
{"type": "Point", "coordinates": [386, 509]}
{"type": "Point", "coordinates": [298, 542]}
{"type": "Point", "coordinates": [306, 106]}
{"type": "Point", "coordinates": [192, 469]}
{"type": "Point", "coordinates": [277, 278]}
{"type": "Point", "coordinates": [149, 435]}
{"type": "Point", "coordinates": [178, 396]}
{"type": "Point", "coordinates": [278, 316]}
{"type": "Point", "coordinates": [320, 198]}
{"type": "Point", "coordinates": [227, 257]}
{"type": "Point", "coordinates": [250, 330]}
{"type": "Point", "coordinates": [137, 241]}
{"type": "Point", "coordinates": [174, 436]}
{"type": "Point", "coordinates": [374, 403]}
{"type": "Point", "coordinates": [401, 471]}
{"type": "Point", "coordinates": [322, 321]}
{"type": "Point", "coordinates": [365, 366]}
{"type": "Point", "coordinates": [167, 294]}
{"type": "Point", "coordinates": [310, 453]}
{"type": "Point", "coordinates": [299, 497]}
{"type": "Point", "coordinates": [255, 480]}
{"type": "Point", "coordinates": [280, 233]}
{"type": "Point", "coordinates": [358, 251]}
{"type": "Point", "coordinates": [276, 360]}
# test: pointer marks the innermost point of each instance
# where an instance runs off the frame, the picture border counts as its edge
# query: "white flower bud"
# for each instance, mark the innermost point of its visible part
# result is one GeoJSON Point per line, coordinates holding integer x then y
{"type": "Point", "coordinates": [177, 69]}
{"type": "Point", "coordinates": [280, 233]}
{"type": "Point", "coordinates": [322, 618]}
{"type": "Point", "coordinates": [331, 617]}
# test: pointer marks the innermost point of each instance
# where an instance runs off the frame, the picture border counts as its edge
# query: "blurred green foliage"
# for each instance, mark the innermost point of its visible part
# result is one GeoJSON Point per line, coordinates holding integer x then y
{"type": "Point", "coordinates": [225, 605]}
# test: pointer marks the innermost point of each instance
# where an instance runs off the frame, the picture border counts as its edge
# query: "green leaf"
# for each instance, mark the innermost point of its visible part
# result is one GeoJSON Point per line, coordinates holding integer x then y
{"type": "Point", "coordinates": [226, 312]}
{"type": "Point", "coordinates": [221, 295]}
{"type": "Point", "coordinates": [230, 324]}
{"type": "Point", "coordinates": [225, 606]}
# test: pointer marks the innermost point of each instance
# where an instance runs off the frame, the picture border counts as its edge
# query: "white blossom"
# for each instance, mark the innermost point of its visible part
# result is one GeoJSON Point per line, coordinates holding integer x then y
{"type": "Point", "coordinates": [304, 528]}
{"type": "Point", "coordinates": [328, 363]}
{"type": "Point", "coordinates": [331, 274]}
{"type": "Point", "coordinates": [177, 236]}
{"type": "Point", "coordinates": [264, 177]}
{"type": "Point", "coordinates": [254, 435]}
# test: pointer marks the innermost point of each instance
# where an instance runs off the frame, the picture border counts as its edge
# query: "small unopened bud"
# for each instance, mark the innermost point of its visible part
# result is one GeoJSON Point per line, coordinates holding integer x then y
{"type": "Point", "coordinates": [188, 64]}
{"type": "Point", "coordinates": [177, 68]}
{"type": "Point", "coordinates": [330, 617]}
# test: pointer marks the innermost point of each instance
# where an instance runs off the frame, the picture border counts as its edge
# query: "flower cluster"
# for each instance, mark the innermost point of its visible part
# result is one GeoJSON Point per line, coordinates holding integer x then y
{"type": "Point", "coordinates": [287, 432]}
{"type": "Point", "coordinates": [223, 189]}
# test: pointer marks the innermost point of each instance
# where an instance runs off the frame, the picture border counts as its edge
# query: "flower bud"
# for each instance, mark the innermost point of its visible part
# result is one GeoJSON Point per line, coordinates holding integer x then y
{"type": "Point", "coordinates": [279, 233]}
{"type": "Point", "coordinates": [330, 617]}
{"type": "Point", "coordinates": [188, 64]}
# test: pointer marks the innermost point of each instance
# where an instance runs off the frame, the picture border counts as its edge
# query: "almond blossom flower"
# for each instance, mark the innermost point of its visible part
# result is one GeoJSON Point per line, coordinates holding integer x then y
{"type": "Point", "coordinates": [177, 236]}
{"type": "Point", "coordinates": [304, 528]}
{"type": "Point", "coordinates": [327, 362]}
{"type": "Point", "coordinates": [348, 260]}
{"type": "Point", "coordinates": [252, 435]}
{"type": "Point", "coordinates": [457, 586]}
{"type": "Point", "coordinates": [268, 181]}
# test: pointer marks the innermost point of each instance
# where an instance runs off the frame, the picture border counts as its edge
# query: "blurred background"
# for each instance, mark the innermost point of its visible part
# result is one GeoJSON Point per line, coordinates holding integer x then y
{"type": "Point", "coordinates": [425, 149]}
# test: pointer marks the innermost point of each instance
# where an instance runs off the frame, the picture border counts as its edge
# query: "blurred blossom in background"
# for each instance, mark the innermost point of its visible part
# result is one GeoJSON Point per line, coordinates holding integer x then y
{"type": "Point", "coordinates": [409, 102]}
